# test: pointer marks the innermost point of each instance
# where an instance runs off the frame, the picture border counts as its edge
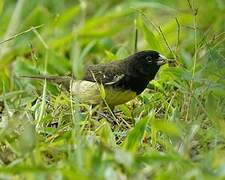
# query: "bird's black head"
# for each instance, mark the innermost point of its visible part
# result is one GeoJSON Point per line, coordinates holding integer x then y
{"type": "Point", "coordinates": [146, 63]}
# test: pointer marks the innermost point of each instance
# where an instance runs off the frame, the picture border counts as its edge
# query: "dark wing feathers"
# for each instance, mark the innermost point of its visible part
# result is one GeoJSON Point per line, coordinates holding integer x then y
{"type": "Point", "coordinates": [108, 74]}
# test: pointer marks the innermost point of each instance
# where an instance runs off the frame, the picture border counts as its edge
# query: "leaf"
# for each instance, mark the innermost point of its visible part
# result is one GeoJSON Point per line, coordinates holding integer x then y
{"type": "Point", "coordinates": [110, 55]}
{"type": "Point", "coordinates": [125, 110]}
{"type": "Point", "coordinates": [1, 6]}
{"type": "Point", "coordinates": [122, 52]}
{"type": "Point", "coordinates": [78, 58]}
{"type": "Point", "coordinates": [149, 36]}
{"type": "Point", "coordinates": [4, 80]}
{"type": "Point", "coordinates": [218, 90]}
{"type": "Point", "coordinates": [151, 5]}
{"type": "Point", "coordinates": [135, 136]}
{"type": "Point", "coordinates": [58, 63]}
{"type": "Point", "coordinates": [67, 16]}
{"type": "Point", "coordinates": [166, 126]}
{"type": "Point", "coordinates": [27, 140]}
{"type": "Point", "coordinates": [102, 91]}
{"type": "Point", "coordinates": [124, 157]}
{"type": "Point", "coordinates": [157, 157]}
{"type": "Point", "coordinates": [178, 73]}
{"type": "Point", "coordinates": [106, 133]}
{"type": "Point", "coordinates": [211, 106]}
{"type": "Point", "coordinates": [23, 67]}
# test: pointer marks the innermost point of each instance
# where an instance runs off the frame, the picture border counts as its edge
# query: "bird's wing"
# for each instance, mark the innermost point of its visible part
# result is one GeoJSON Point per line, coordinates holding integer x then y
{"type": "Point", "coordinates": [109, 74]}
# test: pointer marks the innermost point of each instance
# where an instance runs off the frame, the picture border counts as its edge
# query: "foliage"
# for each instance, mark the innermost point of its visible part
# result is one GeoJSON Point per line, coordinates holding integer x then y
{"type": "Point", "coordinates": [175, 129]}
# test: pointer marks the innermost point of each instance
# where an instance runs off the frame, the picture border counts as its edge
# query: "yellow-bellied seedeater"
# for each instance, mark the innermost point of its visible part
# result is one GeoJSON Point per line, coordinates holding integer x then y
{"type": "Point", "coordinates": [122, 80]}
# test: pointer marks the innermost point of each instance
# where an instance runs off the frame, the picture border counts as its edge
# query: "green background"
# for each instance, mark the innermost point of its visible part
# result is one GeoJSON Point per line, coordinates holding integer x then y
{"type": "Point", "coordinates": [174, 130]}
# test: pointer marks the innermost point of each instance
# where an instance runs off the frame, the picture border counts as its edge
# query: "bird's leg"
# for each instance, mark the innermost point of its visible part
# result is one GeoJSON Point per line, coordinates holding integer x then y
{"type": "Point", "coordinates": [107, 112]}
{"type": "Point", "coordinates": [104, 115]}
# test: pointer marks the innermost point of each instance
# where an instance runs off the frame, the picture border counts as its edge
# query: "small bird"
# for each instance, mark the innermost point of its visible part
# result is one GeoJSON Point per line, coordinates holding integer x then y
{"type": "Point", "coordinates": [122, 79]}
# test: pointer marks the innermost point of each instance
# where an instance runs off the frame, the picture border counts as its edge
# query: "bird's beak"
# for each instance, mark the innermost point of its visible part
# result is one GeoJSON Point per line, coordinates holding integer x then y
{"type": "Point", "coordinates": [161, 60]}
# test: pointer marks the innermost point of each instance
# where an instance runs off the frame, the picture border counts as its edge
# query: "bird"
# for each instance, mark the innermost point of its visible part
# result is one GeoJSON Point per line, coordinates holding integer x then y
{"type": "Point", "coordinates": [113, 83]}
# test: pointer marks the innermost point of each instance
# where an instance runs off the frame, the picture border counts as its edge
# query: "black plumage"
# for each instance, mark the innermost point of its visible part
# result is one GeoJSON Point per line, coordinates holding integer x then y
{"type": "Point", "coordinates": [122, 79]}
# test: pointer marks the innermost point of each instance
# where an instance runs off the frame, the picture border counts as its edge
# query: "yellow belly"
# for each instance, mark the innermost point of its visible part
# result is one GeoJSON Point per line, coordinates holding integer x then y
{"type": "Point", "coordinates": [88, 92]}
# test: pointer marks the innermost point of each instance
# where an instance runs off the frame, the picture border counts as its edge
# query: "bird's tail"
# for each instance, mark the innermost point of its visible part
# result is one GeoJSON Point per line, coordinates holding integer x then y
{"type": "Point", "coordinates": [49, 78]}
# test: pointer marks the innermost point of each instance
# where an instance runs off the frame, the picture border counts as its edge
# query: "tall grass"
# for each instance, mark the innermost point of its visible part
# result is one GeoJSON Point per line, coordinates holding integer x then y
{"type": "Point", "coordinates": [174, 130]}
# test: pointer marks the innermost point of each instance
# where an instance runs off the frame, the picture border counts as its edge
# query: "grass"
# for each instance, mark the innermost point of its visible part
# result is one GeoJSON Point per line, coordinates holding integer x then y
{"type": "Point", "coordinates": [174, 130]}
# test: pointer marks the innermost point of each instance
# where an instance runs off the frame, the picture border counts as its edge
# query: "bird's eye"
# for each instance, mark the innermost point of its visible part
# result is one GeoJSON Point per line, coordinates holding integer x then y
{"type": "Point", "coordinates": [149, 59]}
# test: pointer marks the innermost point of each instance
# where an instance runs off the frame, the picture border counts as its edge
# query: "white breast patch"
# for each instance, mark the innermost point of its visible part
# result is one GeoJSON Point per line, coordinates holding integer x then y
{"type": "Point", "coordinates": [88, 92]}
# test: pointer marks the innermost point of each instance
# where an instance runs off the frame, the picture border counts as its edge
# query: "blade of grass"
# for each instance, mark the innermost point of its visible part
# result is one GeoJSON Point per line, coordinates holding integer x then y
{"type": "Point", "coordinates": [20, 34]}
{"type": "Point", "coordinates": [135, 36]}
{"type": "Point", "coordinates": [13, 26]}
{"type": "Point", "coordinates": [44, 92]}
